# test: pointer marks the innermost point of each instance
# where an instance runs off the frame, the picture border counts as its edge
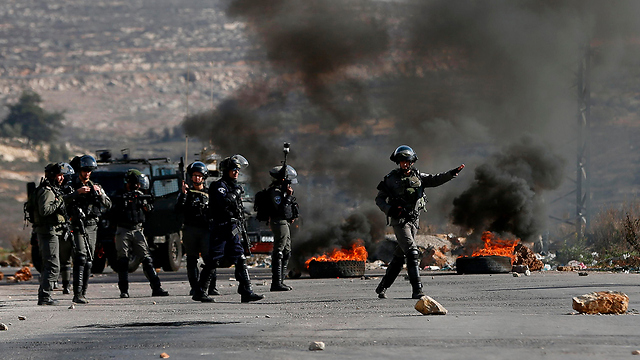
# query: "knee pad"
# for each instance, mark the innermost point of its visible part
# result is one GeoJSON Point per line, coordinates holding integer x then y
{"type": "Point", "coordinates": [147, 261]}
{"type": "Point", "coordinates": [80, 260]}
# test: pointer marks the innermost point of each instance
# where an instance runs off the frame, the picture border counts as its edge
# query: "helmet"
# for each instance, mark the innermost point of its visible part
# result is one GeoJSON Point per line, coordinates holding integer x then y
{"type": "Point", "coordinates": [403, 153]}
{"type": "Point", "coordinates": [87, 163]}
{"type": "Point", "coordinates": [134, 176]}
{"type": "Point", "coordinates": [67, 171]}
{"type": "Point", "coordinates": [233, 162]}
{"type": "Point", "coordinates": [290, 173]}
{"type": "Point", "coordinates": [53, 169]}
{"type": "Point", "coordinates": [198, 166]}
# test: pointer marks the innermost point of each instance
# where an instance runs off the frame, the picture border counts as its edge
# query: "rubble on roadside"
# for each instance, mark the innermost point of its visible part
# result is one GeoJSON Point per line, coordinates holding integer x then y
{"type": "Point", "coordinates": [428, 306]}
{"type": "Point", "coordinates": [602, 302]}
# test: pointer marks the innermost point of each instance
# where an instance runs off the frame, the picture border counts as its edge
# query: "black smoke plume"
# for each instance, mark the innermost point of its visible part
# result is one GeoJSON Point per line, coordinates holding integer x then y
{"type": "Point", "coordinates": [349, 81]}
{"type": "Point", "coordinates": [506, 195]}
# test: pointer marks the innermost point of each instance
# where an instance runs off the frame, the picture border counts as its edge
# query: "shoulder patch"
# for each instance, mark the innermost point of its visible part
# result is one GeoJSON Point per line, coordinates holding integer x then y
{"type": "Point", "coordinates": [277, 199]}
{"type": "Point", "coordinates": [222, 190]}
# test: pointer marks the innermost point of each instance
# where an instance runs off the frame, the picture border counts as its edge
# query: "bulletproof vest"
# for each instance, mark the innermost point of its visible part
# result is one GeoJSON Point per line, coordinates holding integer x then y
{"type": "Point", "coordinates": [407, 191]}
{"type": "Point", "coordinates": [131, 212]}
{"type": "Point", "coordinates": [284, 206]}
{"type": "Point", "coordinates": [225, 201]}
{"type": "Point", "coordinates": [90, 203]}
{"type": "Point", "coordinates": [196, 207]}
{"type": "Point", "coordinates": [58, 217]}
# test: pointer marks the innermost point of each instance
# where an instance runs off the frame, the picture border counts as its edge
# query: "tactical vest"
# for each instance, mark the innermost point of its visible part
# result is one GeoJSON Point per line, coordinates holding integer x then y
{"type": "Point", "coordinates": [55, 219]}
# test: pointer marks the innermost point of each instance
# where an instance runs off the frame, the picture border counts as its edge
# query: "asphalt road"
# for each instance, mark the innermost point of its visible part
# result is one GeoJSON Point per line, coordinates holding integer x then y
{"type": "Point", "coordinates": [494, 316]}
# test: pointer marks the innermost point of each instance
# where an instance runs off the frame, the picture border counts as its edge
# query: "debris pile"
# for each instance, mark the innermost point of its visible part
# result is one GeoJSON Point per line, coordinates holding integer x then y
{"type": "Point", "coordinates": [525, 256]}
{"type": "Point", "coordinates": [601, 302]}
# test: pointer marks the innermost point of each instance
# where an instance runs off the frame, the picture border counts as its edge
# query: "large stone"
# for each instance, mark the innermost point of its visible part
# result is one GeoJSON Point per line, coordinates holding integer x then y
{"type": "Point", "coordinates": [434, 257]}
{"type": "Point", "coordinates": [14, 261]}
{"type": "Point", "coordinates": [601, 302]}
{"type": "Point", "coordinates": [427, 306]}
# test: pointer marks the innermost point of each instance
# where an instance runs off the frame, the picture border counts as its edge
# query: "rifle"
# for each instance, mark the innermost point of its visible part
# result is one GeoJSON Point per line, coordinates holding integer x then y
{"type": "Point", "coordinates": [241, 230]}
{"type": "Point", "coordinates": [78, 222]}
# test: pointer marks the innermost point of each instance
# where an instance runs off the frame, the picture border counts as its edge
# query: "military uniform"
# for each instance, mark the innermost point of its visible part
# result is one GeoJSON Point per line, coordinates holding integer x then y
{"type": "Point", "coordinates": [85, 211]}
{"type": "Point", "coordinates": [401, 197]}
{"type": "Point", "coordinates": [129, 208]}
{"type": "Point", "coordinates": [195, 237]}
{"type": "Point", "coordinates": [51, 227]}
{"type": "Point", "coordinates": [226, 213]}
{"type": "Point", "coordinates": [283, 211]}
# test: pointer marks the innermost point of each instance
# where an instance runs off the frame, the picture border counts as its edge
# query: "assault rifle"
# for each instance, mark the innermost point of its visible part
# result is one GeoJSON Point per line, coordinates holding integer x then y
{"type": "Point", "coordinates": [78, 218]}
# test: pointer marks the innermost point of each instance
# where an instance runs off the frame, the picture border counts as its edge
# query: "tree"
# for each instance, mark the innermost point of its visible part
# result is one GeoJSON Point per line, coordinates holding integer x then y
{"type": "Point", "coordinates": [28, 119]}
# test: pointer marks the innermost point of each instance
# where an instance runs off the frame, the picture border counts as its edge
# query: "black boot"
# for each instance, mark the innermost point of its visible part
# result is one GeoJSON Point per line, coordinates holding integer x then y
{"type": "Point", "coordinates": [390, 276]}
{"type": "Point", "coordinates": [66, 289]}
{"type": "Point", "coordinates": [285, 262]}
{"type": "Point", "coordinates": [123, 277]}
{"type": "Point", "coordinates": [213, 279]}
{"type": "Point", "coordinates": [276, 272]}
{"type": "Point", "coordinates": [152, 276]}
{"type": "Point", "coordinates": [244, 288]}
{"type": "Point", "coordinates": [85, 278]}
{"type": "Point", "coordinates": [44, 297]}
{"type": "Point", "coordinates": [193, 274]}
{"type": "Point", "coordinates": [413, 270]}
{"type": "Point", "coordinates": [78, 279]}
{"type": "Point", "coordinates": [199, 293]}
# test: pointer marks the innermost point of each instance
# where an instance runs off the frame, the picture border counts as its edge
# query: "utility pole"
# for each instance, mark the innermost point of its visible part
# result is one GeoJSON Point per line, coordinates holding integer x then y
{"type": "Point", "coordinates": [583, 161]}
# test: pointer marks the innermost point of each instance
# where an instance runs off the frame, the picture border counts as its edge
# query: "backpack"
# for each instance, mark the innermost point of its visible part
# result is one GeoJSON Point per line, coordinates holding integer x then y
{"type": "Point", "coordinates": [262, 205]}
{"type": "Point", "coordinates": [30, 205]}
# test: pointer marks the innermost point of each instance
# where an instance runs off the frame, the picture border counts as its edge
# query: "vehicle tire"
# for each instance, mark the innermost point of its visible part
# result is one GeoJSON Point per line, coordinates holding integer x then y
{"type": "Point", "coordinates": [134, 262]}
{"type": "Point", "coordinates": [173, 253]}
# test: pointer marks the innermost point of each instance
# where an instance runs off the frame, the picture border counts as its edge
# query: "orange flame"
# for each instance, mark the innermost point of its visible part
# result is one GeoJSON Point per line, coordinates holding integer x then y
{"type": "Point", "coordinates": [496, 246]}
{"type": "Point", "coordinates": [357, 252]}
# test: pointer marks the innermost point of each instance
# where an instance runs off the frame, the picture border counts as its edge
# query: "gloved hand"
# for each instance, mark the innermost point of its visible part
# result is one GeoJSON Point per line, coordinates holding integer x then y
{"type": "Point", "coordinates": [456, 171]}
{"type": "Point", "coordinates": [396, 212]}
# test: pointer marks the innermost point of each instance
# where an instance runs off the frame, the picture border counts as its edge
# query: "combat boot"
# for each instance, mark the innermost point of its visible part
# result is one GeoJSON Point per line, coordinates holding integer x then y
{"type": "Point", "coordinates": [276, 270]}
{"type": "Point", "coordinates": [66, 289]}
{"type": "Point", "coordinates": [78, 274]}
{"type": "Point", "coordinates": [413, 271]}
{"type": "Point", "coordinates": [283, 271]}
{"type": "Point", "coordinates": [152, 276]}
{"type": "Point", "coordinates": [244, 289]}
{"type": "Point", "coordinates": [390, 276]}
{"type": "Point", "coordinates": [85, 277]}
{"type": "Point", "coordinates": [213, 279]}
{"type": "Point", "coordinates": [123, 277]}
{"type": "Point", "coordinates": [48, 301]}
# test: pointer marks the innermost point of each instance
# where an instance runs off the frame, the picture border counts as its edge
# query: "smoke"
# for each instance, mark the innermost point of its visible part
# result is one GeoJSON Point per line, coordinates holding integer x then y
{"type": "Point", "coordinates": [506, 195]}
{"type": "Point", "coordinates": [350, 81]}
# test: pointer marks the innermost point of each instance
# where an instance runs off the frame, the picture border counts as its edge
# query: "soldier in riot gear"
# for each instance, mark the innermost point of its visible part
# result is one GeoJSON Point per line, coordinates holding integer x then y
{"type": "Point", "coordinates": [129, 208]}
{"type": "Point", "coordinates": [226, 214]}
{"type": "Point", "coordinates": [86, 204]}
{"type": "Point", "coordinates": [66, 247]}
{"type": "Point", "coordinates": [193, 203]}
{"type": "Point", "coordinates": [283, 211]}
{"type": "Point", "coordinates": [401, 197]}
{"type": "Point", "coordinates": [51, 226]}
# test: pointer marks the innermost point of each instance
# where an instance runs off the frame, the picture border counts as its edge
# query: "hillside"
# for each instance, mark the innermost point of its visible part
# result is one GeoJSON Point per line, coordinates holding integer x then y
{"type": "Point", "coordinates": [126, 73]}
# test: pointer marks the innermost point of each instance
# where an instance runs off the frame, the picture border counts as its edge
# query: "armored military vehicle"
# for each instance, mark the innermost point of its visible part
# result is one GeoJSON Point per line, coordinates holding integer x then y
{"type": "Point", "coordinates": [162, 226]}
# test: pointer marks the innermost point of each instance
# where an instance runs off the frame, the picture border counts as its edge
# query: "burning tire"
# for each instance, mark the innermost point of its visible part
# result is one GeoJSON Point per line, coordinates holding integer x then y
{"type": "Point", "coordinates": [340, 268]}
{"type": "Point", "coordinates": [492, 264]}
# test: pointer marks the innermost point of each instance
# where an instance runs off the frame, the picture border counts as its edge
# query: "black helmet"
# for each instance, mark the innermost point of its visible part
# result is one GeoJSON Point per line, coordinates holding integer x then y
{"type": "Point", "coordinates": [134, 176]}
{"type": "Point", "coordinates": [290, 173]}
{"type": "Point", "coordinates": [233, 162]}
{"type": "Point", "coordinates": [198, 166]}
{"type": "Point", "coordinates": [53, 169]}
{"type": "Point", "coordinates": [87, 163]}
{"type": "Point", "coordinates": [403, 153]}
